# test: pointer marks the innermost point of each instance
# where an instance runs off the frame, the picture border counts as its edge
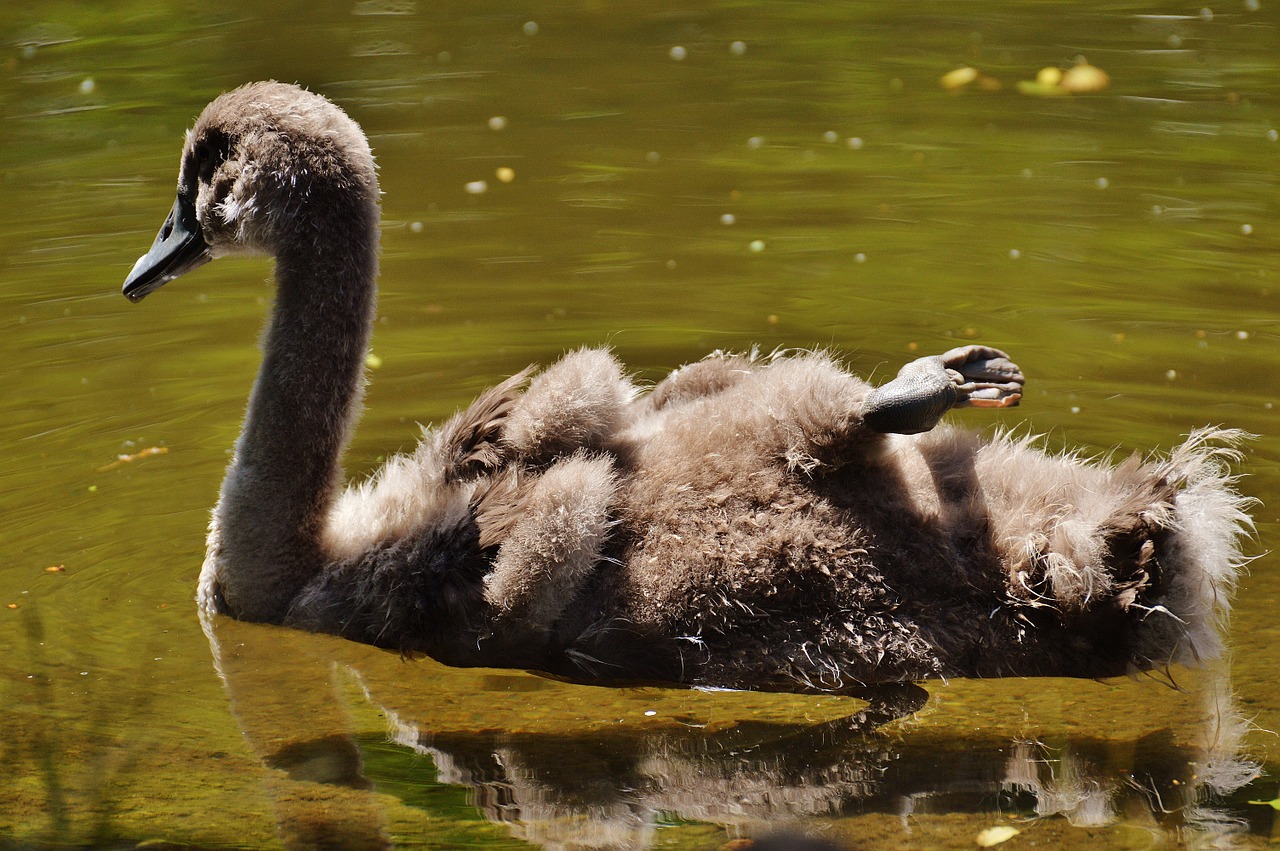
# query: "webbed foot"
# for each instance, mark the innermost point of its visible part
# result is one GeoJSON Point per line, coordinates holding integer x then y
{"type": "Point", "coordinates": [926, 388]}
{"type": "Point", "coordinates": [984, 377]}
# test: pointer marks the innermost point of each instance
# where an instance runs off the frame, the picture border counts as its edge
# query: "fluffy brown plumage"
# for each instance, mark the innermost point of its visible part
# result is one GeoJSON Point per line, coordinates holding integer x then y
{"type": "Point", "coordinates": [746, 523]}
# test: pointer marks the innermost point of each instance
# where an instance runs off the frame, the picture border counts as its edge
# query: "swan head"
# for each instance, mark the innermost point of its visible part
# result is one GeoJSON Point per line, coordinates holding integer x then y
{"type": "Point", "coordinates": [262, 169]}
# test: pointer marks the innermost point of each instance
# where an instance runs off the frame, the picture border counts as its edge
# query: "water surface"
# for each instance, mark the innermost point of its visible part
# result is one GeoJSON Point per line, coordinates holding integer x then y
{"type": "Point", "coordinates": [685, 177]}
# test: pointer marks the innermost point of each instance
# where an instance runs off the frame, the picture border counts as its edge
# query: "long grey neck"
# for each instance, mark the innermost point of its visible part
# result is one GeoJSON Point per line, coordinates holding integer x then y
{"type": "Point", "coordinates": [304, 404]}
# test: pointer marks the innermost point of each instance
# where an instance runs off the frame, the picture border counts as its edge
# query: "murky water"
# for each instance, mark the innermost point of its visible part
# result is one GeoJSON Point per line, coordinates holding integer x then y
{"type": "Point", "coordinates": [683, 178]}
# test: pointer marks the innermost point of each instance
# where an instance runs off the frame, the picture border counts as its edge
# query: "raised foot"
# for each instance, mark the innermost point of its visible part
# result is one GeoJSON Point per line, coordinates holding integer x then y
{"type": "Point", "coordinates": [984, 377]}
{"type": "Point", "coordinates": [926, 388]}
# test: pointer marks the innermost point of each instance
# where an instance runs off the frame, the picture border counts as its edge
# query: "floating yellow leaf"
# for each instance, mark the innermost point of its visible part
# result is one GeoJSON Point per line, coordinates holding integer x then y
{"type": "Point", "coordinates": [1048, 76]}
{"type": "Point", "coordinates": [959, 78]}
{"type": "Point", "coordinates": [1274, 803]}
{"type": "Point", "coordinates": [55, 568]}
{"type": "Point", "coordinates": [996, 835]}
{"type": "Point", "coordinates": [1083, 78]}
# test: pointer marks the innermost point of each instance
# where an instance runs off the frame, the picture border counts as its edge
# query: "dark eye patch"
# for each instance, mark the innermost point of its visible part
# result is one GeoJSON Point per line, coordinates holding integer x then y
{"type": "Point", "coordinates": [210, 151]}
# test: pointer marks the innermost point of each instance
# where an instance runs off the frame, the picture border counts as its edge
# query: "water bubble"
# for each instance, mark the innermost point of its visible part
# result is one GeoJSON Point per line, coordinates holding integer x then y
{"type": "Point", "coordinates": [727, 219]}
{"type": "Point", "coordinates": [854, 142]}
{"type": "Point", "coordinates": [87, 85]}
{"type": "Point", "coordinates": [652, 157]}
{"type": "Point", "coordinates": [738, 48]}
{"type": "Point", "coordinates": [477, 187]}
{"type": "Point", "coordinates": [678, 53]}
{"type": "Point", "coordinates": [1252, 5]}
{"type": "Point", "coordinates": [756, 246]}
{"type": "Point", "coordinates": [1014, 254]}
{"type": "Point", "coordinates": [859, 258]}
{"type": "Point", "coordinates": [1206, 14]}
{"type": "Point", "coordinates": [530, 28]}
{"type": "Point", "coordinates": [1102, 183]}
{"type": "Point", "coordinates": [755, 142]}
{"type": "Point", "coordinates": [830, 137]}
{"type": "Point", "coordinates": [1246, 229]}
{"type": "Point", "coordinates": [498, 122]}
{"type": "Point", "coordinates": [1273, 135]}
{"type": "Point", "coordinates": [505, 174]}
{"type": "Point", "coordinates": [416, 227]}
{"type": "Point", "coordinates": [1171, 374]}
{"type": "Point", "coordinates": [1242, 335]}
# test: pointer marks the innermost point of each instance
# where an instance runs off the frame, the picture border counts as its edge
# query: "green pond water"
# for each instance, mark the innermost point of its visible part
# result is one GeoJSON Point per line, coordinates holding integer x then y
{"type": "Point", "coordinates": [683, 177]}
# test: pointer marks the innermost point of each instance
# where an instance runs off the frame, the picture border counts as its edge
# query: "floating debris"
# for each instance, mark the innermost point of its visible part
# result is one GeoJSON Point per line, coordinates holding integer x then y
{"type": "Point", "coordinates": [962, 78]}
{"type": "Point", "coordinates": [56, 568]}
{"type": "Point", "coordinates": [1049, 76]}
{"type": "Point", "coordinates": [121, 460]}
{"type": "Point", "coordinates": [959, 78]}
{"type": "Point", "coordinates": [505, 174]}
{"type": "Point", "coordinates": [995, 835]}
{"type": "Point", "coordinates": [1081, 78]}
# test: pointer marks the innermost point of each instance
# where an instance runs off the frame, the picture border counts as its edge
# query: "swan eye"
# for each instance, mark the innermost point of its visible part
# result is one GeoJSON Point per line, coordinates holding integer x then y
{"type": "Point", "coordinates": [207, 153]}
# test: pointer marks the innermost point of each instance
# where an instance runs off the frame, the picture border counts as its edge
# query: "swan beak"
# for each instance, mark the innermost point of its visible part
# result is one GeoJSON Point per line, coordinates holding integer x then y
{"type": "Point", "coordinates": [179, 248]}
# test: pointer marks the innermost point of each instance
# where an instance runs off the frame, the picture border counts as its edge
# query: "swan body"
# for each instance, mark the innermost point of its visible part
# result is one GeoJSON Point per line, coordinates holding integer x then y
{"type": "Point", "coordinates": [750, 522]}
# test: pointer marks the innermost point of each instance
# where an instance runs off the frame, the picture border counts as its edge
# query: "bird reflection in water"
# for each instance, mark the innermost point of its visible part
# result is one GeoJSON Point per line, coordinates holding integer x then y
{"type": "Point", "coordinates": [616, 786]}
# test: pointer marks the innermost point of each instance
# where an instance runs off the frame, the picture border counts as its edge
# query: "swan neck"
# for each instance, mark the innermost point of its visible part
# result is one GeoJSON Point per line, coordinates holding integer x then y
{"type": "Point", "coordinates": [305, 401]}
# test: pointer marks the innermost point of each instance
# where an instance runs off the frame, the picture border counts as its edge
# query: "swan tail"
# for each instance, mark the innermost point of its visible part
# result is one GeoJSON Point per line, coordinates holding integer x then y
{"type": "Point", "coordinates": [1125, 568]}
{"type": "Point", "coordinates": [1202, 557]}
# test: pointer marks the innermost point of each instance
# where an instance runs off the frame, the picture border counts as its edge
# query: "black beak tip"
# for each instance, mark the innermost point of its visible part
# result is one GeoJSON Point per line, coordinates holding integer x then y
{"type": "Point", "coordinates": [178, 248]}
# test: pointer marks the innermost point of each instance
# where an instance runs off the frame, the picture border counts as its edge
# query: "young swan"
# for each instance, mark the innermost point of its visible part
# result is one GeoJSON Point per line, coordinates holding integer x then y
{"type": "Point", "coordinates": [770, 523]}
